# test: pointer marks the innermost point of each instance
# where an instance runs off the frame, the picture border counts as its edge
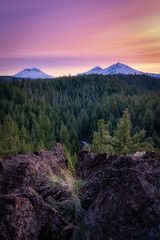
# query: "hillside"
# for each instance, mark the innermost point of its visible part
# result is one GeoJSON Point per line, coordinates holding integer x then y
{"type": "Point", "coordinates": [32, 73]}
{"type": "Point", "coordinates": [109, 198]}
{"type": "Point", "coordinates": [118, 68]}
{"type": "Point", "coordinates": [36, 114]}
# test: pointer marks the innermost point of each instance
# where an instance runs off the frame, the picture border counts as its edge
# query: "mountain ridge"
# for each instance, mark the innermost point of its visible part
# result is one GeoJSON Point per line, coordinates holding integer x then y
{"type": "Point", "coordinates": [118, 68]}
{"type": "Point", "coordinates": [32, 73]}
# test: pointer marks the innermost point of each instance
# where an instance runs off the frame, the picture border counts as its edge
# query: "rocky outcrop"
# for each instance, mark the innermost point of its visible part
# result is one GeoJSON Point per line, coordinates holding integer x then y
{"type": "Point", "coordinates": [30, 169]}
{"type": "Point", "coordinates": [121, 196]}
{"type": "Point", "coordinates": [24, 215]}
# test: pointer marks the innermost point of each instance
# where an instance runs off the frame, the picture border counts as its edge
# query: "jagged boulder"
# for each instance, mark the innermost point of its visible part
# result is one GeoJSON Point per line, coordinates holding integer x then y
{"type": "Point", "coordinates": [29, 169]}
{"type": "Point", "coordinates": [55, 158]}
{"type": "Point", "coordinates": [121, 195]}
{"type": "Point", "coordinates": [24, 215]}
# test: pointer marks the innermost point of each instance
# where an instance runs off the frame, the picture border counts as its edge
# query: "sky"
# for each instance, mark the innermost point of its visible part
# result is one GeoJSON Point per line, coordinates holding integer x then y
{"type": "Point", "coordinates": [64, 37]}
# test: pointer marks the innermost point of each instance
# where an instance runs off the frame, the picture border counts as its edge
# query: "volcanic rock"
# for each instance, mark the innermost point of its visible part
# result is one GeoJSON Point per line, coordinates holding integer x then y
{"type": "Point", "coordinates": [121, 195]}
{"type": "Point", "coordinates": [24, 215]}
{"type": "Point", "coordinates": [29, 169]}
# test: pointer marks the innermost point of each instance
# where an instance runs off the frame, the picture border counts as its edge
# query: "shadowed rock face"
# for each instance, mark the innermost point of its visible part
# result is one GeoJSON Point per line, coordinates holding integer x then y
{"type": "Point", "coordinates": [29, 169]}
{"type": "Point", "coordinates": [23, 213]}
{"type": "Point", "coordinates": [121, 195]}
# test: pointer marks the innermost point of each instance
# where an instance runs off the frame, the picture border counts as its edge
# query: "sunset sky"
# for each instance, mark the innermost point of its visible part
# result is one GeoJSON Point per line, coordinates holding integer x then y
{"type": "Point", "coordinates": [64, 37]}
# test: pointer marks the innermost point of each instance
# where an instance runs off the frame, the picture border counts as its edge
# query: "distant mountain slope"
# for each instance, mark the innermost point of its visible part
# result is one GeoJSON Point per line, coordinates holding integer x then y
{"type": "Point", "coordinates": [95, 70]}
{"type": "Point", "coordinates": [118, 68]}
{"type": "Point", "coordinates": [32, 73]}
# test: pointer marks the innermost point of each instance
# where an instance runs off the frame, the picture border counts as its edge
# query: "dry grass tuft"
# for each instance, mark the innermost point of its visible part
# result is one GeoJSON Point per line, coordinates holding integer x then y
{"type": "Point", "coordinates": [71, 185]}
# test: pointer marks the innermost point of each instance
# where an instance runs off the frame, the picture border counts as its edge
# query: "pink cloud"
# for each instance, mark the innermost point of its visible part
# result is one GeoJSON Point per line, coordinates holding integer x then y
{"type": "Point", "coordinates": [102, 28]}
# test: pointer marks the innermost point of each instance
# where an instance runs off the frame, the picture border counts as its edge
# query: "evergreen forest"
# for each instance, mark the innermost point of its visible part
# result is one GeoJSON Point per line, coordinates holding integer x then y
{"type": "Point", "coordinates": [35, 114]}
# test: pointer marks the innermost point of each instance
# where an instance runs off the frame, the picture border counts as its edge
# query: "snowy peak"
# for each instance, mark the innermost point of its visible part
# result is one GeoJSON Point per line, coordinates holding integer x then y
{"type": "Point", "coordinates": [32, 69]}
{"type": "Point", "coordinates": [95, 70]}
{"type": "Point", "coordinates": [32, 73]}
{"type": "Point", "coordinates": [118, 68]}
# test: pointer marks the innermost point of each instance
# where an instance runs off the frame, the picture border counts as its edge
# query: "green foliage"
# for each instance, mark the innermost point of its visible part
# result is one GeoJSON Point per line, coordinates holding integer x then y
{"type": "Point", "coordinates": [52, 204]}
{"type": "Point", "coordinates": [10, 140]}
{"type": "Point", "coordinates": [101, 140]}
{"type": "Point", "coordinates": [72, 159]}
{"type": "Point", "coordinates": [122, 142]}
{"type": "Point", "coordinates": [64, 136]}
{"type": "Point", "coordinates": [71, 204]}
{"type": "Point", "coordinates": [45, 135]}
{"type": "Point", "coordinates": [148, 122]}
{"type": "Point", "coordinates": [122, 138]}
{"type": "Point", "coordinates": [67, 109]}
{"type": "Point", "coordinates": [78, 184]}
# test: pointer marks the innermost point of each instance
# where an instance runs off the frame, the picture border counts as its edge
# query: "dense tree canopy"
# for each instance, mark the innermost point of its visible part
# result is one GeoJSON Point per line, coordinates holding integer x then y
{"type": "Point", "coordinates": [122, 142]}
{"type": "Point", "coordinates": [36, 114]}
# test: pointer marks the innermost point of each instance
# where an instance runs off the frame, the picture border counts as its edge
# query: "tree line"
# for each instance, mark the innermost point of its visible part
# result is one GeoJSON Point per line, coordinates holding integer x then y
{"type": "Point", "coordinates": [122, 142]}
{"type": "Point", "coordinates": [35, 114]}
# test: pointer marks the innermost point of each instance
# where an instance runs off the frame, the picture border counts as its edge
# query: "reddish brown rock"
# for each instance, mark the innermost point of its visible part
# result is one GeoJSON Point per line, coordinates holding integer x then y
{"type": "Point", "coordinates": [25, 216]}
{"type": "Point", "coordinates": [121, 195]}
{"type": "Point", "coordinates": [29, 169]}
{"type": "Point", "coordinates": [23, 213]}
{"type": "Point", "coordinates": [55, 158]}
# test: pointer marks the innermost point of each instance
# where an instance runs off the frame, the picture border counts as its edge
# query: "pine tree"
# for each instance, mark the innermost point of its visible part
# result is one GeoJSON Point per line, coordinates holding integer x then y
{"type": "Point", "coordinates": [123, 143]}
{"type": "Point", "coordinates": [35, 135]}
{"type": "Point", "coordinates": [24, 145]}
{"type": "Point", "coordinates": [64, 136]}
{"type": "Point", "coordinates": [115, 110]}
{"type": "Point", "coordinates": [101, 139]}
{"type": "Point", "coordinates": [148, 123]}
{"type": "Point", "coordinates": [40, 145]}
{"type": "Point", "coordinates": [45, 131]}
{"type": "Point", "coordinates": [11, 138]}
{"type": "Point", "coordinates": [122, 134]}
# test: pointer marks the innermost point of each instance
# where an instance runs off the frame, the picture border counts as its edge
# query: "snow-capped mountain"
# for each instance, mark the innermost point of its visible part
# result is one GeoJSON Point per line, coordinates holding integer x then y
{"type": "Point", "coordinates": [32, 73]}
{"type": "Point", "coordinates": [118, 68]}
{"type": "Point", "coordinates": [95, 70]}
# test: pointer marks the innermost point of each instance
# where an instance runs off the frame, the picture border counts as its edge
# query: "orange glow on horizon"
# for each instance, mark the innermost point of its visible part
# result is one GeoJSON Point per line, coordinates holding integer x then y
{"type": "Point", "coordinates": [69, 37]}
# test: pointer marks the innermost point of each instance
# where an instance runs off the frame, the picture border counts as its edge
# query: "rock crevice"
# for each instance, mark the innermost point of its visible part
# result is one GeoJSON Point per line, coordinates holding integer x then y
{"type": "Point", "coordinates": [120, 196]}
